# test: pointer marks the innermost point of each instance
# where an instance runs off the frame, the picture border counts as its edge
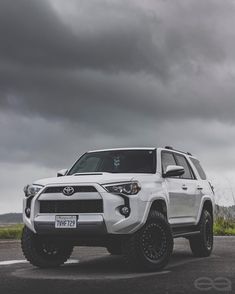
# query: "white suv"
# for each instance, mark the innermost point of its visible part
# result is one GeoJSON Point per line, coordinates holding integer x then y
{"type": "Point", "coordinates": [133, 201]}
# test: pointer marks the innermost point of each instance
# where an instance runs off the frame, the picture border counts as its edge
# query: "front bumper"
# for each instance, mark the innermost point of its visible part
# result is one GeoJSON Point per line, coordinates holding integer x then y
{"type": "Point", "coordinates": [110, 221]}
{"type": "Point", "coordinates": [87, 225]}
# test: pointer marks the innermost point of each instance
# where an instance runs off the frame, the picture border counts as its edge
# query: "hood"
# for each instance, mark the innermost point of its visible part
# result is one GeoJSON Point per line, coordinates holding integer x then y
{"type": "Point", "coordinates": [99, 178]}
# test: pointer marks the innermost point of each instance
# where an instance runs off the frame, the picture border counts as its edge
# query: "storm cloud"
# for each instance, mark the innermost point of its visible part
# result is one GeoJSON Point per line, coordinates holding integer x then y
{"type": "Point", "coordinates": [78, 75]}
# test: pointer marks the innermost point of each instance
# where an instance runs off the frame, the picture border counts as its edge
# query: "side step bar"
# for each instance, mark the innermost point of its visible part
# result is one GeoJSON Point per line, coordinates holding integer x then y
{"type": "Point", "coordinates": [185, 231]}
{"type": "Point", "coordinates": [185, 234]}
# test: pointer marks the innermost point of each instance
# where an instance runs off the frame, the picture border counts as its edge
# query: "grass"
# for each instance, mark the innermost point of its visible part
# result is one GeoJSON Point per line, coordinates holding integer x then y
{"type": "Point", "coordinates": [11, 231]}
{"type": "Point", "coordinates": [222, 227]}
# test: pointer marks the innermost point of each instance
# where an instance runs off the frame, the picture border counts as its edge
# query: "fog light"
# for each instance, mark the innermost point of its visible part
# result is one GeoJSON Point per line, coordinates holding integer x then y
{"type": "Point", "coordinates": [124, 210]}
{"type": "Point", "coordinates": [27, 212]}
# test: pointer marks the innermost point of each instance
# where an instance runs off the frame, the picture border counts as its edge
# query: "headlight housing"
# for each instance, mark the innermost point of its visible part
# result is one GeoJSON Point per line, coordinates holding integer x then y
{"type": "Point", "coordinates": [32, 190]}
{"type": "Point", "coordinates": [128, 188]}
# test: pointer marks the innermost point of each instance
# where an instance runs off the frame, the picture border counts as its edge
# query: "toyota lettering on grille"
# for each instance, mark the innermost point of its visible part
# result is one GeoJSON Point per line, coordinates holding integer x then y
{"type": "Point", "coordinates": [68, 191]}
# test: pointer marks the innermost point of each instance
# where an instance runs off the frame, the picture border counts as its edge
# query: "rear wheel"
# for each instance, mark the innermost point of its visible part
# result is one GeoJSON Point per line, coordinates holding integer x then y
{"type": "Point", "coordinates": [150, 248]}
{"type": "Point", "coordinates": [42, 252]}
{"type": "Point", "coordinates": [202, 244]}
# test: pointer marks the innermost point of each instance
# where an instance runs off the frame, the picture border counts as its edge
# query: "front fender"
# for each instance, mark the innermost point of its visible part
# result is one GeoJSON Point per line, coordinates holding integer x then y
{"type": "Point", "coordinates": [163, 197]}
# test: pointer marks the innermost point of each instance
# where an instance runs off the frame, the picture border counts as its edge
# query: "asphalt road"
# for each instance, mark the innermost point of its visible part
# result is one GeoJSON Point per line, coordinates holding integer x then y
{"type": "Point", "coordinates": [93, 270]}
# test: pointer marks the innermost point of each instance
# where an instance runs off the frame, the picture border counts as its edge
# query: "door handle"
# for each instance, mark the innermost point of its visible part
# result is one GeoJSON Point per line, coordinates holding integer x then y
{"type": "Point", "coordinates": [199, 188]}
{"type": "Point", "coordinates": [184, 187]}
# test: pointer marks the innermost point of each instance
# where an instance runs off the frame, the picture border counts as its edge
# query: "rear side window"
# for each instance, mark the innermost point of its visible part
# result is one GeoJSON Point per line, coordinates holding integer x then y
{"type": "Point", "coordinates": [182, 161]}
{"type": "Point", "coordinates": [199, 168]}
{"type": "Point", "coordinates": [167, 159]}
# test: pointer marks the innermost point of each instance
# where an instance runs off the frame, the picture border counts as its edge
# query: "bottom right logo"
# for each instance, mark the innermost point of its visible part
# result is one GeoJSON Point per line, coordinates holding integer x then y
{"type": "Point", "coordinates": [218, 284]}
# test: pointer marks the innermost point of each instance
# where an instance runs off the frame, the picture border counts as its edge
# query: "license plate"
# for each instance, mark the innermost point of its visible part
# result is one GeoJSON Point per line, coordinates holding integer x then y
{"type": "Point", "coordinates": [66, 221]}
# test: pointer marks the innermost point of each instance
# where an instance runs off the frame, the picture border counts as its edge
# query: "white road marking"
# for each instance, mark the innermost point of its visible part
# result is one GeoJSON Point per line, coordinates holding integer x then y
{"type": "Point", "coordinates": [9, 262]}
{"type": "Point", "coordinates": [18, 261]}
{"type": "Point", "coordinates": [49, 275]}
{"type": "Point", "coordinates": [72, 261]}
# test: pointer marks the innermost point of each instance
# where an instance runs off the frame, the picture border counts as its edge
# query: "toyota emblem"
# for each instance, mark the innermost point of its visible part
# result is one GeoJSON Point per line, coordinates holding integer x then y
{"type": "Point", "coordinates": [68, 191]}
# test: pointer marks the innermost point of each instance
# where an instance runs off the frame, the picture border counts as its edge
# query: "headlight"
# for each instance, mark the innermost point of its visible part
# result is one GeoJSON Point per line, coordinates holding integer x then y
{"type": "Point", "coordinates": [32, 190]}
{"type": "Point", "coordinates": [131, 188]}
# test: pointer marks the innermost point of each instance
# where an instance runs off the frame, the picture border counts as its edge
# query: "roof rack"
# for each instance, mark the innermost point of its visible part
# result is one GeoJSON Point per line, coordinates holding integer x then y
{"type": "Point", "coordinates": [171, 148]}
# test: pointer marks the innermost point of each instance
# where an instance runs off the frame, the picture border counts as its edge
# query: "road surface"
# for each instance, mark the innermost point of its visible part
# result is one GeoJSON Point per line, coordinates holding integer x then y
{"type": "Point", "coordinates": [93, 270]}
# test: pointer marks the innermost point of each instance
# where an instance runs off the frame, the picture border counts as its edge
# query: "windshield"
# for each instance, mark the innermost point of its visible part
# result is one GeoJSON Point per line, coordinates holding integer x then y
{"type": "Point", "coordinates": [118, 161]}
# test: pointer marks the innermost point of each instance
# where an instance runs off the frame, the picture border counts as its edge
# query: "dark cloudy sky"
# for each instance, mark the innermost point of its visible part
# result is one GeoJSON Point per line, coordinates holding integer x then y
{"type": "Point", "coordinates": [78, 75]}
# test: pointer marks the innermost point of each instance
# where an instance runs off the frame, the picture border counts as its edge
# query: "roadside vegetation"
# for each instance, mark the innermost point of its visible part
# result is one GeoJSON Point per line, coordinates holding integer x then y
{"type": "Point", "coordinates": [222, 227]}
{"type": "Point", "coordinates": [11, 231]}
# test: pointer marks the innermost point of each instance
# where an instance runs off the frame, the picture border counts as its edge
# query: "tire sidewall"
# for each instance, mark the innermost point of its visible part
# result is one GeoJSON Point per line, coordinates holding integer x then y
{"type": "Point", "coordinates": [160, 220]}
{"type": "Point", "coordinates": [31, 246]}
{"type": "Point", "coordinates": [206, 220]}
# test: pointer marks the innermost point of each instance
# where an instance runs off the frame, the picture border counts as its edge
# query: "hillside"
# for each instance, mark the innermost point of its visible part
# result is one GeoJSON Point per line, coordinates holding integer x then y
{"type": "Point", "coordinates": [11, 218]}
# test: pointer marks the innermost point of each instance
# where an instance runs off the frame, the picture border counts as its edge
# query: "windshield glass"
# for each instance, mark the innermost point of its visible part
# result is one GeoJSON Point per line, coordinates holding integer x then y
{"type": "Point", "coordinates": [118, 161]}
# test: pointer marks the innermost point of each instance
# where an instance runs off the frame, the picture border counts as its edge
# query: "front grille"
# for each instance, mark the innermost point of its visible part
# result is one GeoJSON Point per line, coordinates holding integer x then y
{"type": "Point", "coordinates": [71, 206]}
{"type": "Point", "coordinates": [77, 189]}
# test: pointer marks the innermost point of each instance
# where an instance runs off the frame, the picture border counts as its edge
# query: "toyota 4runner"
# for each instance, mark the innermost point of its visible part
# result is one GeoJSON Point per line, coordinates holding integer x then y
{"type": "Point", "coordinates": [133, 201]}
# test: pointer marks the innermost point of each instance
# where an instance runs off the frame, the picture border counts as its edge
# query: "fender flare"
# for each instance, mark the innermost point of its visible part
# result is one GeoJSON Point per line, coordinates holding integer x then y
{"type": "Point", "coordinates": [204, 199]}
{"type": "Point", "coordinates": [149, 205]}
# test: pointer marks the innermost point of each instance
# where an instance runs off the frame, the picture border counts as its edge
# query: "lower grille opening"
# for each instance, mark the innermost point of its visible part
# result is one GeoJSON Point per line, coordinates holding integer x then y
{"type": "Point", "coordinates": [71, 206]}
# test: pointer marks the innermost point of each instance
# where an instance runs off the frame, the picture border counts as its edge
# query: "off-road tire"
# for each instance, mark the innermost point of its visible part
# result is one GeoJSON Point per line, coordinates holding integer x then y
{"type": "Point", "coordinates": [202, 244]}
{"type": "Point", "coordinates": [43, 253]}
{"type": "Point", "coordinates": [150, 248]}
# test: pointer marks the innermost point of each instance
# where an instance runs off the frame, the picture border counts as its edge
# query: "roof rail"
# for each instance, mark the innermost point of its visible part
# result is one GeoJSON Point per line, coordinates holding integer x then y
{"type": "Point", "coordinates": [171, 148]}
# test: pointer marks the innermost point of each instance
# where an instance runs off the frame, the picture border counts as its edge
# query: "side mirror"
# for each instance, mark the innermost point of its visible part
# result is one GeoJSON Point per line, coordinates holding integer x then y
{"type": "Point", "coordinates": [62, 172]}
{"type": "Point", "coordinates": [174, 171]}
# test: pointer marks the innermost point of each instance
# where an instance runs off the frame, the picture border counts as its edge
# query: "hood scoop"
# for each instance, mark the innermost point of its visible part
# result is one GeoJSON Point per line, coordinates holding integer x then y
{"type": "Point", "coordinates": [88, 174]}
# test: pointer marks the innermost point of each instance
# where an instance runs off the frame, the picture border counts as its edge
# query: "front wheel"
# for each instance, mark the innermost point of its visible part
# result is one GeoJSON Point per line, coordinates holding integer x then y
{"type": "Point", "coordinates": [150, 248]}
{"type": "Point", "coordinates": [202, 244]}
{"type": "Point", "coordinates": [42, 252]}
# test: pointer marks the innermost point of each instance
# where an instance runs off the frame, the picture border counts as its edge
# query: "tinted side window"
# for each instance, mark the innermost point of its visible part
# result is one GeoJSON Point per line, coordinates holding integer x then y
{"type": "Point", "coordinates": [182, 161]}
{"type": "Point", "coordinates": [199, 168]}
{"type": "Point", "coordinates": [167, 159]}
